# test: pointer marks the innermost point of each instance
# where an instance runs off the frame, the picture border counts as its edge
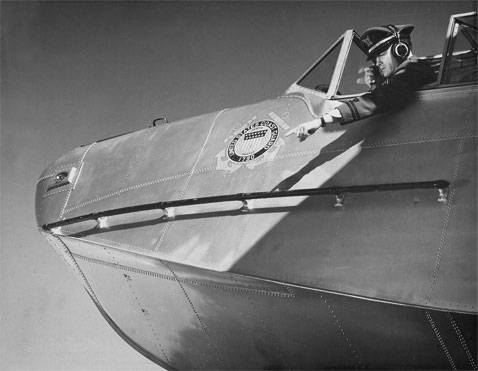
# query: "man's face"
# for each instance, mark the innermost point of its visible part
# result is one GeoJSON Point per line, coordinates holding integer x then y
{"type": "Point", "coordinates": [387, 62]}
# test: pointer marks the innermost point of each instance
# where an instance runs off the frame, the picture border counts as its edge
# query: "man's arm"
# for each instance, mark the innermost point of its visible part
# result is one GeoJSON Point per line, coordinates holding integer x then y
{"type": "Point", "coordinates": [392, 93]}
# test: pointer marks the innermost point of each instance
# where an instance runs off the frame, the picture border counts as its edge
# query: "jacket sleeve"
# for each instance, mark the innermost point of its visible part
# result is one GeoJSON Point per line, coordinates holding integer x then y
{"type": "Point", "coordinates": [393, 93]}
{"type": "Point", "coordinates": [357, 109]}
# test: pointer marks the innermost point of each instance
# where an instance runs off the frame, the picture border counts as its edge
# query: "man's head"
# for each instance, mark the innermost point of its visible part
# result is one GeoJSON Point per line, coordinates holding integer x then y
{"type": "Point", "coordinates": [388, 46]}
{"type": "Point", "coordinates": [387, 63]}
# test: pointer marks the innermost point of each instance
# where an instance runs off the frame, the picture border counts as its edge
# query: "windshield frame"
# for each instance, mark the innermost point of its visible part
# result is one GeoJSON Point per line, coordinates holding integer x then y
{"type": "Point", "coordinates": [319, 61]}
{"type": "Point", "coordinates": [347, 39]}
{"type": "Point", "coordinates": [455, 22]}
{"type": "Point", "coordinates": [350, 37]}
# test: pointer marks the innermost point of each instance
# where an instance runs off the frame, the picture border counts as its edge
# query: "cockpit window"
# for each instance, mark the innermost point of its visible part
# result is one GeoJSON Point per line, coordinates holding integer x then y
{"type": "Point", "coordinates": [340, 71]}
{"type": "Point", "coordinates": [352, 81]}
{"type": "Point", "coordinates": [461, 61]}
{"type": "Point", "coordinates": [318, 77]}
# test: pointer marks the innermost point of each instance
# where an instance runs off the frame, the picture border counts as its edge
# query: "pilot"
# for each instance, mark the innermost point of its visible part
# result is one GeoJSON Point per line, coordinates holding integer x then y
{"type": "Point", "coordinates": [393, 78]}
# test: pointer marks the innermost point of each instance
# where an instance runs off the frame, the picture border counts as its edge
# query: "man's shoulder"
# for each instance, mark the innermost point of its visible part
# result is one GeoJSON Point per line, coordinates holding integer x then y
{"type": "Point", "coordinates": [413, 63]}
{"type": "Point", "coordinates": [416, 68]}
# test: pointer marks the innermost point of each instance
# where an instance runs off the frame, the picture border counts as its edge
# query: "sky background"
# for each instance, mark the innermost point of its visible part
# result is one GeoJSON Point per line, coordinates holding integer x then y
{"type": "Point", "coordinates": [75, 72]}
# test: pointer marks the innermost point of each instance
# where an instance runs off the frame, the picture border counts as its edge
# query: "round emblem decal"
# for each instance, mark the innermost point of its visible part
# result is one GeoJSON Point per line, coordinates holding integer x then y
{"type": "Point", "coordinates": [253, 141]}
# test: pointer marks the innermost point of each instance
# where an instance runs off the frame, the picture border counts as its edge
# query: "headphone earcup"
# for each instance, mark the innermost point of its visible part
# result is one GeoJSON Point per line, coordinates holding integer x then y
{"type": "Point", "coordinates": [400, 50]}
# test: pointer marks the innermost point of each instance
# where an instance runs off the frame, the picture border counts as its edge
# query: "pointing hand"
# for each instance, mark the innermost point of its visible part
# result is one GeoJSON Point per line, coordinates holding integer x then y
{"type": "Point", "coordinates": [304, 130]}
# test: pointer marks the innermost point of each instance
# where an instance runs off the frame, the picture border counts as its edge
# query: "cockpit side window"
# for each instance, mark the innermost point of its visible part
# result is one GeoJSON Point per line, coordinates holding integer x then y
{"type": "Point", "coordinates": [338, 73]}
{"type": "Point", "coordinates": [319, 76]}
{"type": "Point", "coordinates": [461, 56]}
{"type": "Point", "coordinates": [352, 81]}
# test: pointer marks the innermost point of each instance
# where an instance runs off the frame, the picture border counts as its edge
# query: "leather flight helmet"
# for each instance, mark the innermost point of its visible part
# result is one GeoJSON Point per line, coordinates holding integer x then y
{"type": "Point", "coordinates": [379, 39]}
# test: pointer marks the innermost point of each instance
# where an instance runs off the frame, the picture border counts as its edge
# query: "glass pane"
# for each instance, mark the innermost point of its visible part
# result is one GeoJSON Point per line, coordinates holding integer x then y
{"type": "Point", "coordinates": [469, 29]}
{"type": "Point", "coordinates": [352, 81]}
{"type": "Point", "coordinates": [462, 65]}
{"type": "Point", "coordinates": [319, 77]}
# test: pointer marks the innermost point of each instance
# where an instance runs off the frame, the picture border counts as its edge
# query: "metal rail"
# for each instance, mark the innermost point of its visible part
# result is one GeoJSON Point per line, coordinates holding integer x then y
{"type": "Point", "coordinates": [338, 192]}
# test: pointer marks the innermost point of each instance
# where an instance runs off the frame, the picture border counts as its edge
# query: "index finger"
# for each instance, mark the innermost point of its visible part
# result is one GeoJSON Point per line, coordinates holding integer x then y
{"type": "Point", "coordinates": [293, 131]}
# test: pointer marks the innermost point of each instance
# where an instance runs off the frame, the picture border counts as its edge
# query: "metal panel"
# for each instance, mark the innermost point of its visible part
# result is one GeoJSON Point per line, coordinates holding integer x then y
{"type": "Point", "coordinates": [189, 320]}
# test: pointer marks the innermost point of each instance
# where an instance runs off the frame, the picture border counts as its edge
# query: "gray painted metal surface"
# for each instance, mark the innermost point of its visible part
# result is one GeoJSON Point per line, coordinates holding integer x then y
{"type": "Point", "coordinates": [387, 280]}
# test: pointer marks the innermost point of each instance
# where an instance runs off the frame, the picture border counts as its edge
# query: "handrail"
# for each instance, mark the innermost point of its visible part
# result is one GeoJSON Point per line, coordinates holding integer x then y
{"type": "Point", "coordinates": [339, 192]}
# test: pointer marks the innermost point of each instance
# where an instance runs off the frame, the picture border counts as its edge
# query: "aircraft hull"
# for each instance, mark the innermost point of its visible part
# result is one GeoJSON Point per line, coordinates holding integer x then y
{"type": "Point", "coordinates": [185, 318]}
{"type": "Point", "coordinates": [379, 279]}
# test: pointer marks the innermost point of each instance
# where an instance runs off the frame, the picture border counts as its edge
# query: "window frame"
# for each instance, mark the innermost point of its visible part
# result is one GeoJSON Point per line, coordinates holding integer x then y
{"type": "Point", "coordinates": [350, 36]}
{"type": "Point", "coordinates": [452, 32]}
{"type": "Point", "coordinates": [347, 39]}
{"type": "Point", "coordinates": [321, 58]}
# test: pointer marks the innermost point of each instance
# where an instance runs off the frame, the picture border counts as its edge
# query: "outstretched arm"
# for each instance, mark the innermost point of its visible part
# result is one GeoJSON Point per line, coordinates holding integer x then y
{"type": "Point", "coordinates": [308, 128]}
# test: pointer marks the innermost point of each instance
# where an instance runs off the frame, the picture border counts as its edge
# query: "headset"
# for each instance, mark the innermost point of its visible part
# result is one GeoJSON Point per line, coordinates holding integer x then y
{"type": "Point", "coordinates": [399, 49]}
